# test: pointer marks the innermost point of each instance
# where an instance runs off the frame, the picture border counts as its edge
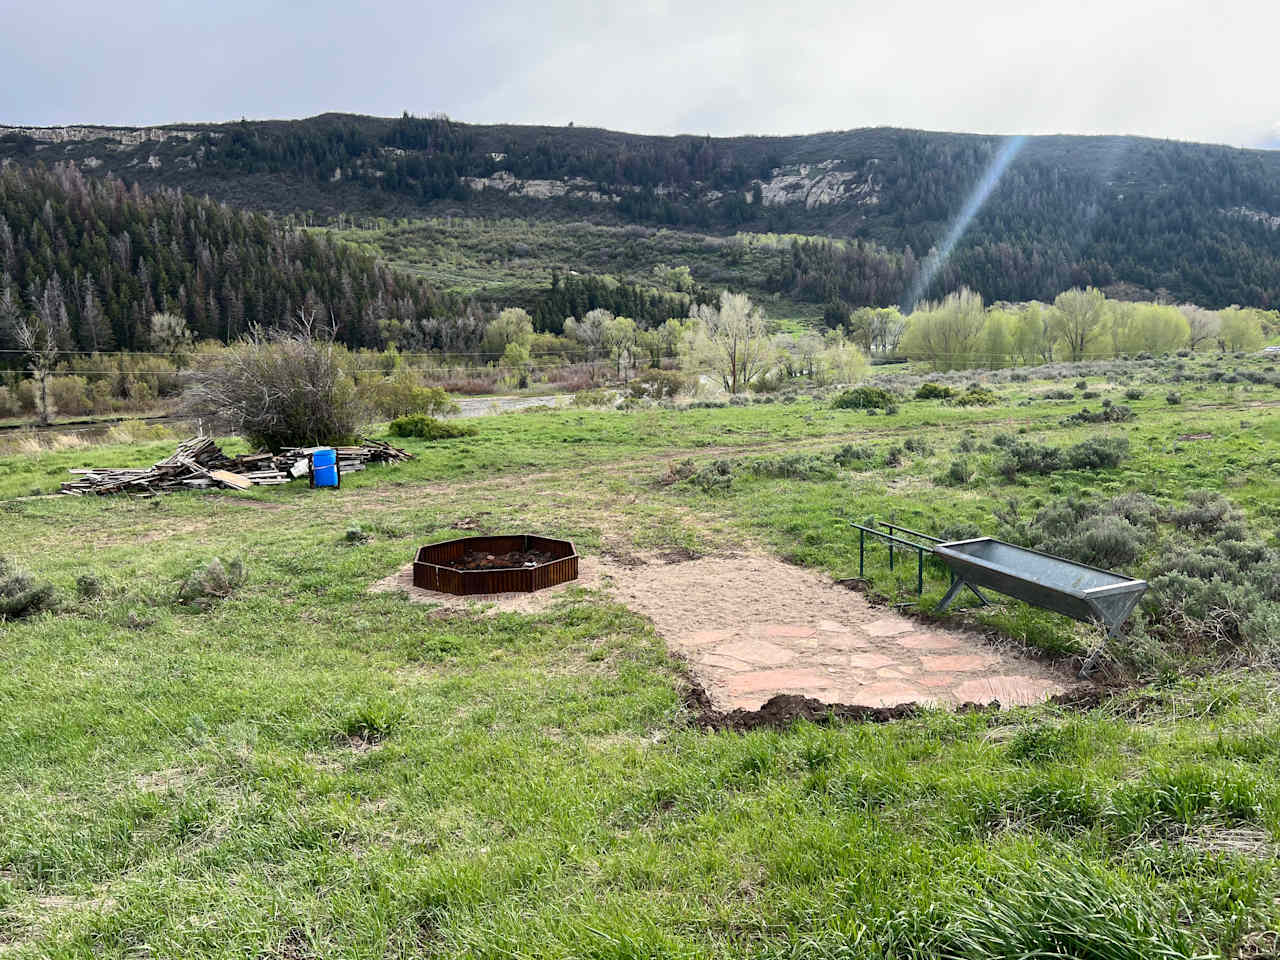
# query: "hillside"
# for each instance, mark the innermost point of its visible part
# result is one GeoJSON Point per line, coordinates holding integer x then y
{"type": "Point", "coordinates": [94, 260]}
{"type": "Point", "coordinates": [1186, 221]}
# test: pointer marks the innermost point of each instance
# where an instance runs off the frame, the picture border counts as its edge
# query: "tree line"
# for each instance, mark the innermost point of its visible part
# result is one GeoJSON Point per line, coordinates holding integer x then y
{"type": "Point", "coordinates": [93, 261]}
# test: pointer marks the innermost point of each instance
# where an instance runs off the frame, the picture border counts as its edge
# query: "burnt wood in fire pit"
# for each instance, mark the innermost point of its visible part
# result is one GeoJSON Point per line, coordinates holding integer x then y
{"type": "Point", "coordinates": [479, 565]}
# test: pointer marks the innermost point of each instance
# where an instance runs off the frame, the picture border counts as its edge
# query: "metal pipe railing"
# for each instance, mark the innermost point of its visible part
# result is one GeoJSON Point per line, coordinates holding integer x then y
{"type": "Point", "coordinates": [893, 541]}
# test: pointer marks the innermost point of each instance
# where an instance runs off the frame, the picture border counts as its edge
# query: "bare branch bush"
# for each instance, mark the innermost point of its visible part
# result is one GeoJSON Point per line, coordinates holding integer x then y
{"type": "Point", "coordinates": [280, 388]}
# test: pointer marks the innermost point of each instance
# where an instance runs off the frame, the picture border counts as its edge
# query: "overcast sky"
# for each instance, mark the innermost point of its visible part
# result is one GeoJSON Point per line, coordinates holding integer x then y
{"type": "Point", "coordinates": [1186, 69]}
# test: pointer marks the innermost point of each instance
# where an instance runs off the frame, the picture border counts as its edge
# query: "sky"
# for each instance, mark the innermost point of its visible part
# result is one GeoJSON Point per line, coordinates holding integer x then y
{"type": "Point", "coordinates": [1201, 70]}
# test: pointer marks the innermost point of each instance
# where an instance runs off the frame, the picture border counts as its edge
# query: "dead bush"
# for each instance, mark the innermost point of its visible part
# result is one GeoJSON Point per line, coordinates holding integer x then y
{"type": "Point", "coordinates": [280, 389]}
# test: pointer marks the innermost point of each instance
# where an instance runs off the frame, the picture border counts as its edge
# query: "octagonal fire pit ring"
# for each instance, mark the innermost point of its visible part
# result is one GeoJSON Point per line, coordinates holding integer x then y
{"type": "Point", "coordinates": [433, 566]}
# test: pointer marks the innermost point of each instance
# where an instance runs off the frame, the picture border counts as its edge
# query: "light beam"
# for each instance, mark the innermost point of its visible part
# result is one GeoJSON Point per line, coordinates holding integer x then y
{"type": "Point", "coordinates": [934, 262]}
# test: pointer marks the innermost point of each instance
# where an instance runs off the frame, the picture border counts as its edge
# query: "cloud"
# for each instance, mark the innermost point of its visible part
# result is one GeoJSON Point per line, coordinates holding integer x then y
{"type": "Point", "coordinates": [1168, 68]}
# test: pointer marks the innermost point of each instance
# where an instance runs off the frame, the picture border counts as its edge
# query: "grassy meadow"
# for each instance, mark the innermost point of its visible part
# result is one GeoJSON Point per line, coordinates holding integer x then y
{"type": "Point", "coordinates": [306, 769]}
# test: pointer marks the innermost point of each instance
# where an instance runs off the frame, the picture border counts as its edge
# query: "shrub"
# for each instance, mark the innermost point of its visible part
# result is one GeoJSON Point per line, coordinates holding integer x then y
{"type": "Point", "coordinates": [934, 391]}
{"type": "Point", "coordinates": [137, 431]}
{"type": "Point", "coordinates": [893, 458]}
{"type": "Point", "coordinates": [26, 396]}
{"type": "Point", "coordinates": [88, 587]}
{"type": "Point", "coordinates": [849, 454]}
{"type": "Point", "coordinates": [428, 428]}
{"type": "Point", "coordinates": [102, 396]}
{"type": "Point", "coordinates": [657, 385]}
{"type": "Point", "coordinates": [21, 595]}
{"type": "Point", "coordinates": [9, 406]}
{"type": "Point", "coordinates": [1114, 533]}
{"type": "Point", "coordinates": [403, 393]}
{"type": "Point", "coordinates": [1090, 395]}
{"type": "Point", "coordinates": [70, 395]}
{"type": "Point", "coordinates": [976, 397]}
{"type": "Point", "coordinates": [681, 470]}
{"type": "Point", "coordinates": [1098, 453]}
{"type": "Point", "coordinates": [1173, 398]}
{"type": "Point", "coordinates": [1059, 395]}
{"type": "Point", "coordinates": [1082, 384]}
{"type": "Point", "coordinates": [959, 473]}
{"type": "Point", "coordinates": [1208, 511]}
{"type": "Point", "coordinates": [795, 466]}
{"type": "Point", "coordinates": [279, 389]}
{"type": "Point", "coordinates": [921, 448]}
{"type": "Point", "coordinates": [213, 581]}
{"type": "Point", "coordinates": [1022, 456]}
{"type": "Point", "coordinates": [960, 531]}
{"type": "Point", "coordinates": [1113, 413]}
{"type": "Point", "coordinates": [474, 385]}
{"type": "Point", "coordinates": [1214, 590]}
{"type": "Point", "coordinates": [599, 397]}
{"type": "Point", "coordinates": [862, 398]}
{"type": "Point", "coordinates": [716, 476]}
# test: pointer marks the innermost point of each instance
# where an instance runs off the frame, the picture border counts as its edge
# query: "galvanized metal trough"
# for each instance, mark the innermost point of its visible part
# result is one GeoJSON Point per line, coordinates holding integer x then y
{"type": "Point", "coordinates": [1076, 590]}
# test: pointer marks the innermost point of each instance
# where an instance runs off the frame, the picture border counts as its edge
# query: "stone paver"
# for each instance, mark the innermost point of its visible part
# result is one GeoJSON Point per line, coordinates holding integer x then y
{"type": "Point", "coordinates": [762, 653]}
{"type": "Point", "coordinates": [888, 627]}
{"type": "Point", "coordinates": [753, 627]}
{"type": "Point", "coordinates": [927, 641]}
{"type": "Point", "coordinates": [958, 662]}
{"type": "Point", "coordinates": [776, 681]}
{"type": "Point", "coordinates": [870, 661]}
{"type": "Point", "coordinates": [788, 630]}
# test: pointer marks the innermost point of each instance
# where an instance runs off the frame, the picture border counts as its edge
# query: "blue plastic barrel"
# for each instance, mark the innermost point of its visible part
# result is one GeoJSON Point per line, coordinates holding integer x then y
{"type": "Point", "coordinates": [324, 467]}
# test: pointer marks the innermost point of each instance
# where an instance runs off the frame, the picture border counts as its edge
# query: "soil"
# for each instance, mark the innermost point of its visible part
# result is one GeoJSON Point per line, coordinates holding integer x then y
{"type": "Point", "coordinates": [473, 560]}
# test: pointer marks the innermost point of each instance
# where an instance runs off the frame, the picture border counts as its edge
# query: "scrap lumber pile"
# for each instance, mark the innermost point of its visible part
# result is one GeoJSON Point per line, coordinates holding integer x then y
{"type": "Point", "coordinates": [200, 463]}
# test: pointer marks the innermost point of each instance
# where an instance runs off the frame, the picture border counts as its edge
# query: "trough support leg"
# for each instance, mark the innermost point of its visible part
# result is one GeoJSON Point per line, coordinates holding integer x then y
{"type": "Point", "coordinates": [958, 584]}
{"type": "Point", "coordinates": [1091, 662]}
{"type": "Point", "coordinates": [951, 595]}
{"type": "Point", "coordinates": [974, 591]}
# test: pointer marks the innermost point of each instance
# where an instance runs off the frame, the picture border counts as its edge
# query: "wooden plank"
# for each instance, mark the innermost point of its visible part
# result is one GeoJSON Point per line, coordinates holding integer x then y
{"type": "Point", "coordinates": [233, 480]}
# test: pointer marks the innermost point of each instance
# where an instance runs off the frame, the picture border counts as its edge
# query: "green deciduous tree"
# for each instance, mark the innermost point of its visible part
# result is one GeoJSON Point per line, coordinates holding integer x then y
{"type": "Point", "coordinates": [1078, 318]}
{"type": "Point", "coordinates": [1241, 329]}
{"type": "Point", "coordinates": [947, 334]}
{"type": "Point", "coordinates": [731, 341]}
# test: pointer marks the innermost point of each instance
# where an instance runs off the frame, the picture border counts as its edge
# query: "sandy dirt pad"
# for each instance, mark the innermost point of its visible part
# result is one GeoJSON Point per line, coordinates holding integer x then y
{"type": "Point", "coordinates": [752, 627]}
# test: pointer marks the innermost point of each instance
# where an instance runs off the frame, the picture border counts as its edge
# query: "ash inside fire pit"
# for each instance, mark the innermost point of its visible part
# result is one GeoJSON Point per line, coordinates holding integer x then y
{"type": "Point", "coordinates": [479, 560]}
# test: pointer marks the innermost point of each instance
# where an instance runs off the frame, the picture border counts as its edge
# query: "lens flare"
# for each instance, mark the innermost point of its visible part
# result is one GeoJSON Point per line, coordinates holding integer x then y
{"type": "Point", "coordinates": [934, 262]}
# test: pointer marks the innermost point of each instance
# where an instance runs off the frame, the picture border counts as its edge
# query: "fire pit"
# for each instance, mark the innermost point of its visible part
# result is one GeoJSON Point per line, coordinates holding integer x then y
{"type": "Point", "coordinates": [476, 565]}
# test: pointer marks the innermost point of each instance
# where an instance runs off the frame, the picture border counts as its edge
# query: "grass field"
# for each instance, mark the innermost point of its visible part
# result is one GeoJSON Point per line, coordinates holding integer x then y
{"type": "Point", "coordinates": [307, 769]}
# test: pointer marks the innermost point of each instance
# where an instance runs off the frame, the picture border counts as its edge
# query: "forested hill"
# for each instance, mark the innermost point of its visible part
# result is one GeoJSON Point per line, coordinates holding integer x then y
{"type": "Point", "coordinates": [1190, 221]}
{"type": "Point", "coordinates": [94, 259]}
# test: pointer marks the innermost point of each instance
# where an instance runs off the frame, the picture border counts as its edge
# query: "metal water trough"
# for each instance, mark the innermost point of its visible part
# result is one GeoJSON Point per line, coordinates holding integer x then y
{"type": "Point", "coordinates": [1073, 589]}
{"type": "Point", "coordinates": [1076, 590]}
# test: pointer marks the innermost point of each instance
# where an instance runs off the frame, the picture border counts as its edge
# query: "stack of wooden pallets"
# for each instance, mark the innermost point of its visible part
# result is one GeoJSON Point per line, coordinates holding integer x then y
{"type": "Point", "coordinates": [199, 463]}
